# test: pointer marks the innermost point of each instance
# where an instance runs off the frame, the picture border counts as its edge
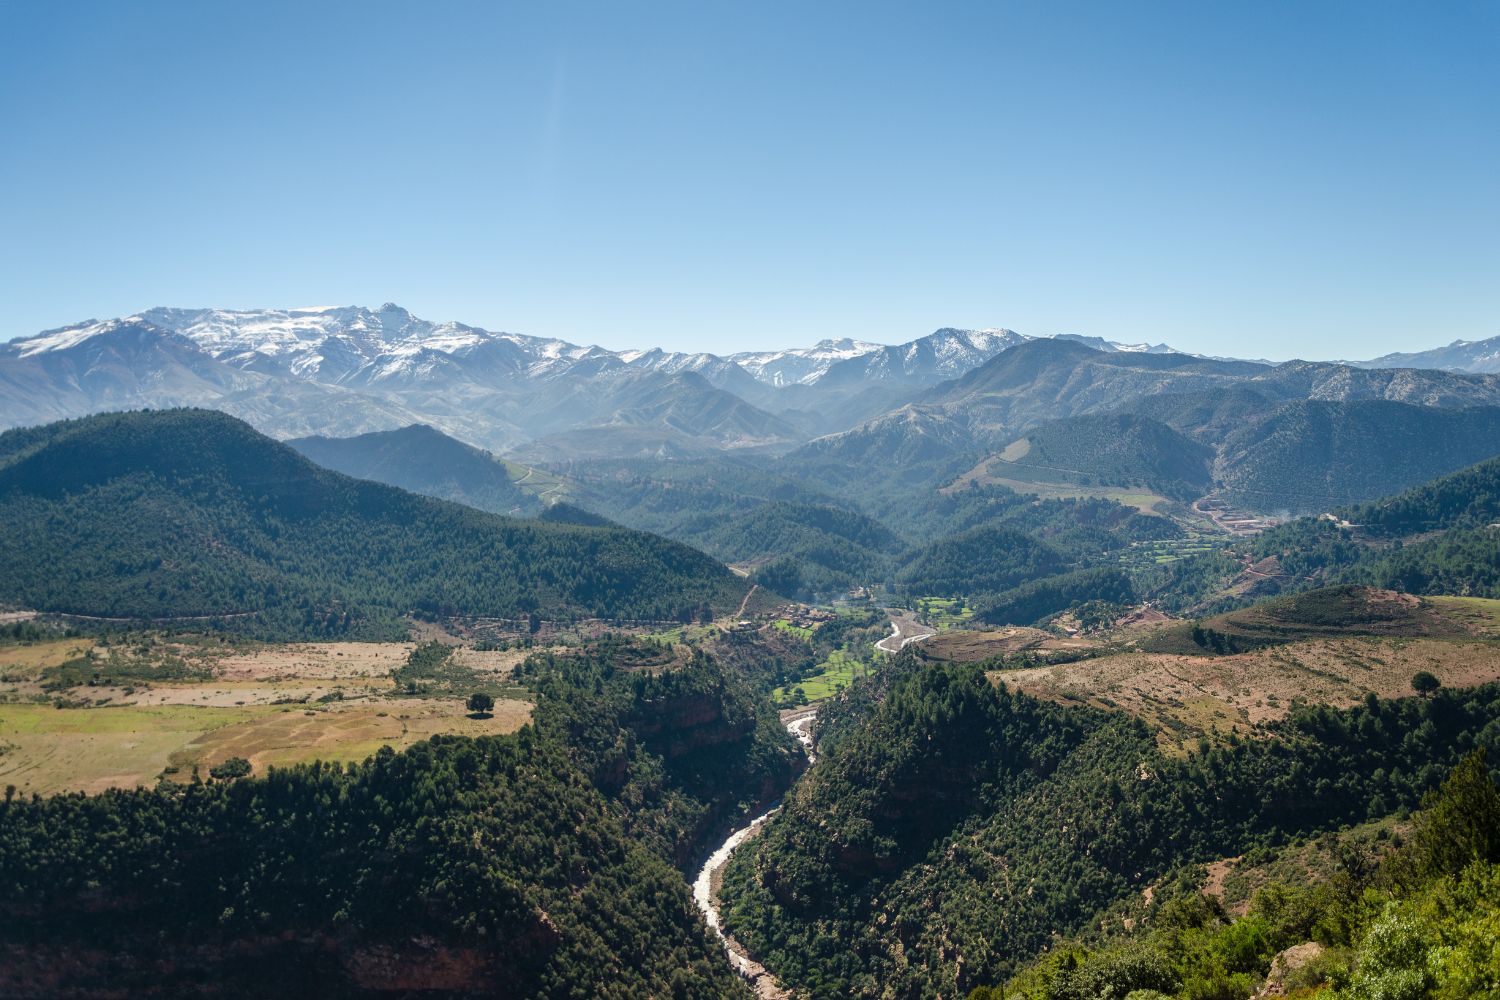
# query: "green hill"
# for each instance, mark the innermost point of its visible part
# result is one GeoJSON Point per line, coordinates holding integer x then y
{"type": "Point", "coordinates": [982, 560]}
{"type": "Point", "coordinates": [1111, 449]}
{"type": "Point", "coordinates": [188, 513]}
{"type": "Point", "coordinates": [424, 460]}
{"type": "Point", "coordinates": [952, 829]}
{"type": "Point", "coordinates": [1313, 455]}
{"type": "Point", "coordinates": [1467, 498]}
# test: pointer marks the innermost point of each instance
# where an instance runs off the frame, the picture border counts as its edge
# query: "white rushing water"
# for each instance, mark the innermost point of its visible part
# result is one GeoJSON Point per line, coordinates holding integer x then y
{"type": "Point", "coordinates": [703, 885]}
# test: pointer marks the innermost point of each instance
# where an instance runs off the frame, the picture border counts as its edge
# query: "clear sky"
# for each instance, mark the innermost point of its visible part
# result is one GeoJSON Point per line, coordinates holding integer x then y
{"type": "Point", "coordinates": [1270, 179]}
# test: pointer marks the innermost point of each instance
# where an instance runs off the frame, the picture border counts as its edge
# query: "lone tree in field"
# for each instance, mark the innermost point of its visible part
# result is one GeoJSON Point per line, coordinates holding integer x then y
{"type": "Point", "coordinates": [480, 703]}
{"type": "Point", "coordinates": [1424, 683]}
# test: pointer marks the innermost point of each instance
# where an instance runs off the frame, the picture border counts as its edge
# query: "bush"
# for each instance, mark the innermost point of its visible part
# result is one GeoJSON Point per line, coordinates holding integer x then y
{"type": "Point", "coordinates": [232, 767]}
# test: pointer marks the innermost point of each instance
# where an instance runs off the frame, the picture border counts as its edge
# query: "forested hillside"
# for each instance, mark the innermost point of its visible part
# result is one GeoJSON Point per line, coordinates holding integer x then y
{"type": "Point", "coordinates": [190, 513]}
{"type": "Point", "coordinates": [1437, 538]}
{"type": "Point", "coordinates": [424, 460]}
{"type": "Point", "coordinates": [954, 828]}
{"type": "Point", "coordinates": [1413, 916]}
{"type": "Point", "coordinates": [1115, 449]}
{"type": "Point", "coordinates": [981, 560]}
{"type": "Point", "coordinates": [1311, 455]}
{"type": "Point", "coordinates": [544, 864]}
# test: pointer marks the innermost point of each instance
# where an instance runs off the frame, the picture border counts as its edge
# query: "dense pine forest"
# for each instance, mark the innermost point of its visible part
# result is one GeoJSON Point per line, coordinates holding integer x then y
{"type": "Point", "coordinates": [191, 514]}
{"type": "Point", "coordinates": [956, 828]}
{"type": "Point", "coordinates": [543, 864]}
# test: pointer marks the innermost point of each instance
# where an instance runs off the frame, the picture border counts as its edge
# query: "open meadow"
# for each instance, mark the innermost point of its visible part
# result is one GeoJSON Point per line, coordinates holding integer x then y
{"type": "Point", "coordinates": [80, 714]}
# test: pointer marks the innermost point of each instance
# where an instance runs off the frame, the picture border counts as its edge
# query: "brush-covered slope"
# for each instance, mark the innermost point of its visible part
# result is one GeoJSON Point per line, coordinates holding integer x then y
{"type": "Point", "coordinates": [541, 865]}
{"type": "Point", "coordinates": [1311, 455]}
{"type": "Point", "coordinates": [952, 829]}
{"type": "Point", "coordinates": [185, 513]}
{"type": "Point", "coordinates": [424, 460]}
{"type": "Point", "coordinates": [1114, 449]}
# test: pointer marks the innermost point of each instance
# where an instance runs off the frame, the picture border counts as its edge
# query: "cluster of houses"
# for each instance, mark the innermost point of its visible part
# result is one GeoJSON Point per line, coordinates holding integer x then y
{"type": "Point", "coordinates": [1232, 519]}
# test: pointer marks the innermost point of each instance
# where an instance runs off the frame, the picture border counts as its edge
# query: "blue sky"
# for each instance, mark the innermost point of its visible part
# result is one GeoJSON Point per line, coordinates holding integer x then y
{"type": "Point", "coordinates": [1267, 179]}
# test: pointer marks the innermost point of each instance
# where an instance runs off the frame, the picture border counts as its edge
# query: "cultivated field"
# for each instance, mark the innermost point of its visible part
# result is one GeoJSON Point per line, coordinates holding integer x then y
{"type": "Point", "coordinates": [80, 715]}
{"type": "Point", "coordinates": [834, 674]}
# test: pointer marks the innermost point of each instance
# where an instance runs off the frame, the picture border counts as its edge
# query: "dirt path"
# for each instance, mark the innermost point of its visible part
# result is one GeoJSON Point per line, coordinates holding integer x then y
{"type": "Point", "coordinates": [746, 602]}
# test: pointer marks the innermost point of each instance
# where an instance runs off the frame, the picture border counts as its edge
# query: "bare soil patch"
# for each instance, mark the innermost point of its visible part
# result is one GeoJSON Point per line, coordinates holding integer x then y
{"type": "Point", "coordinates": [1184, 697]}
{"type": "Point", "coordinates": [317, 660]}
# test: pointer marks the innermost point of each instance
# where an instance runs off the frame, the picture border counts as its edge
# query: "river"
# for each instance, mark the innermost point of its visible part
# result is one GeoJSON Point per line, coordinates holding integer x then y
{"type": "Point", "coordinates": [705, 886]}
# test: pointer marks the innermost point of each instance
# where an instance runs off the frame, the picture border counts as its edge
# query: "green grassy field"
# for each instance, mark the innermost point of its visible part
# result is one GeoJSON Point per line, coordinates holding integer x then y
{"type": "Point", "coordinates": [1479, 613]}
{"type": "Point", "coordinates": [687, 633]}
{"type": "Point", "coordinates": [1141, 554]}
{"type": "Point", "coordinates": [1050, 485]}
{"type": "Point", "coordinates": [943, 612]}
{"type": "Point", "coordinates": [797, 630]}
{"type": "Point", "coordinates": [834, 674]}
{"type": "Point", "coordinates": [45, 750]}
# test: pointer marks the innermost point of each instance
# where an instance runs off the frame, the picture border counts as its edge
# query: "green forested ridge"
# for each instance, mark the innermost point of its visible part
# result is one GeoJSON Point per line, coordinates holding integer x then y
{"type": "Point", "coordinates": [1035, 600]}
{"type": "Point", "coordinates": [1422, 921]}
{"type": "Point", "coordinates": [955, 827]}
{"type": "Point", "coordinates": [1310, 455]}
{"type": "Point", "coordinates": [802, 543]}
{"type": "Point", "coordinates": [1467, 498]}
{"type": "Point", "coordinates": [191, 513]}
{"type": "Point", "coordinates": [543, 864]}
{"type": "Point", "coordinates": [567, 513]}
{"type": "Point", "coordinates": [1437, 538]}
{"type": "Point", "coordinates": [1117, 449]}
{"type": "Point", "coordinates": [424, 460]}
{"type": "Point", "coordinates": [981, 560]}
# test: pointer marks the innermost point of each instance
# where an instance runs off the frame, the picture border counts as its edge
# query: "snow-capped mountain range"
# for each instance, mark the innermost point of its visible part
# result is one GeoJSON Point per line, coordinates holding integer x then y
{"type": "Point", "coordinates": [349, 369]}
{"type": "Point", "coordinates": [353, 345]}
{"type": "Point", "coordinates": [1474, 356]}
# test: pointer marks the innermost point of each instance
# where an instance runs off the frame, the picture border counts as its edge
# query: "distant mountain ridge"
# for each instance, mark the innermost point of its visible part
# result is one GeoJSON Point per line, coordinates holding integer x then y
{"type": "Point", "coordinates": [1069, 387]}
{"type": "Point", "coordinates": [1477, 356]}
{"type": "Point", "coordinates": [422, 459]}
{"type": "Point", "coordinates": [954, 394]}
{"type": "Point", "coordinates": [341, 371]}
